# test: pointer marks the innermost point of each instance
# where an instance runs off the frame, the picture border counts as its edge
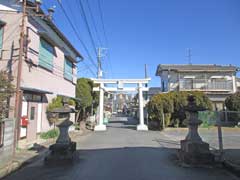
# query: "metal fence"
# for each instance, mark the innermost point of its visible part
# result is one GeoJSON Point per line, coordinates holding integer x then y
{"type": "Point", "coordinates": [222, 131]}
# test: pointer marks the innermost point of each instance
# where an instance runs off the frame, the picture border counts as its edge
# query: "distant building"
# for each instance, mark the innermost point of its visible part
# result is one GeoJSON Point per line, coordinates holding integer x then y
{"type": "Point", "coordinates": [216, 81]}
{"type": "Point", "coordinates": [49, 66]}
{"type": "Point", "coordinates": [153, 91]}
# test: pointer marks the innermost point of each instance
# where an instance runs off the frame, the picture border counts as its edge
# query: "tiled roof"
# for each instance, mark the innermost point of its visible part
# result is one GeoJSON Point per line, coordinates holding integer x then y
{"type": "Point", "coordinates": [57, 31]}
{"type": "Point", "coordinates": [196, 68]}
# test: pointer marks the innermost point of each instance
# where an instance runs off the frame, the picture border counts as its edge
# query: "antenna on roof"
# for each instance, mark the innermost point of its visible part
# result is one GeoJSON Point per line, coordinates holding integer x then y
{"type": "Point", "coordinates": [189, 55]}
{"type": "Point", "coordinates": [50, 12]}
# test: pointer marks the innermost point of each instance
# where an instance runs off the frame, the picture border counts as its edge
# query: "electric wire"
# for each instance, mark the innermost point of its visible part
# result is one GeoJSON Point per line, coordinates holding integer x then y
{"type": "Point", "coordinates": [87, 25]}
{"type": "Point", "coordinates": [94, 23]}
{"type": "Point", "coordinates": [77, 35]}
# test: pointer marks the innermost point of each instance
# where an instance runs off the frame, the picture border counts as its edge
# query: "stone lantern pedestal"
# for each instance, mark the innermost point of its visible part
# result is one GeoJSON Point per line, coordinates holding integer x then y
{"type": "Point", "coordinates": [64, 149]}
{"type": "Point", "coordinates": [193, 150]}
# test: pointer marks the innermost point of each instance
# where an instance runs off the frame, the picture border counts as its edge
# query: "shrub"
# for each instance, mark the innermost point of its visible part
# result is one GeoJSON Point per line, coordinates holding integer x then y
{"type": "Point", "coordinates": [71, 102]}
{"type": "Point", "coordinates": [6, 91]}
{"type": "Point", "coordinates": [53, 133]}
{"type": "Point", "coordinates": [56, 103]}
{"type": "Point", "coordinates": [171, 105]}
{"type": "Point", "coordinates": [232, 103]}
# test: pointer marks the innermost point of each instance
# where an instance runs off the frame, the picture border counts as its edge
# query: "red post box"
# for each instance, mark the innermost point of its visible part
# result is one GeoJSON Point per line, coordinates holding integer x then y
{"type": "Point", "coordinates": [24, 121]}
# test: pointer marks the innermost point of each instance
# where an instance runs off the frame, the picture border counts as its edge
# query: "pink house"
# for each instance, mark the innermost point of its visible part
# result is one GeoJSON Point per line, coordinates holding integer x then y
{"type": "Point", "coordinates": [49, 67]}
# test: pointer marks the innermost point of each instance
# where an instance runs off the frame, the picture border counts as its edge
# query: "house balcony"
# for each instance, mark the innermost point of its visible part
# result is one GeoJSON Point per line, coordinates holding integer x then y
{"type": "Point", "coordinates": [205, 85]}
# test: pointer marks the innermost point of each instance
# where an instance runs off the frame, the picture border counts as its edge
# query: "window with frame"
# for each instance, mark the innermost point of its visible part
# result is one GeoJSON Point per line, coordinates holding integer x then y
{"type": "Point", "coordinates": [32, 113]}
{"type": "Point", "coordinates": [68, 70]}
{"type": "Point", "coordinates": [46, 52]}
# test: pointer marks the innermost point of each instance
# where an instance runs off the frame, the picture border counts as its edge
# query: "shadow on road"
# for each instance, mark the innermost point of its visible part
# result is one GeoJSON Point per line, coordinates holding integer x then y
{"type": "Point", "coordinates": [121, 163]}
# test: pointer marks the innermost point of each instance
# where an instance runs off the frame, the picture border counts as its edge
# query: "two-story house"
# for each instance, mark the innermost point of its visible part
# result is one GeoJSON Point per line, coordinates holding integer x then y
{"type": "Point", "coordinates": [49, 67]}
{"type": "Point", "coordinates": [217, 81]}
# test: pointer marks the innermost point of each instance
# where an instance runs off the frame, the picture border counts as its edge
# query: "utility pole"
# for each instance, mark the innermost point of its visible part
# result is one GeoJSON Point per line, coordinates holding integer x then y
{"type": "Point", "coordinates": [189, 56]}
{"type": "Point", "coordinates": [99, 74]}
{"type": "Point", "coordinates": [22, 45]}
{"type": "Point", "coordinates": [146, 75]}
{"type": "Point", "coordinates": [146, 85]}
{"type": "Point", "coordinates": [99, 56]}
{"type": "Point", "coordinates": [19, 72]}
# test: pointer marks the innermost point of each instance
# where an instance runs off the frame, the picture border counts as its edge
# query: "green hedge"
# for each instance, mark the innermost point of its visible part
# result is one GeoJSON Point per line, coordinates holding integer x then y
{"type": "Point", "coordinates": [53, 133]}
{"type": "Point", "coordinates": [233, 104]}
{"type": "Point", "coordinates": [171, 105]}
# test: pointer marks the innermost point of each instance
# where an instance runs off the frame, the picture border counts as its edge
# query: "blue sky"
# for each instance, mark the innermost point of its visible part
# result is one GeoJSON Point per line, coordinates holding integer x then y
{"type": "Point", "coordinates": [152, 32]}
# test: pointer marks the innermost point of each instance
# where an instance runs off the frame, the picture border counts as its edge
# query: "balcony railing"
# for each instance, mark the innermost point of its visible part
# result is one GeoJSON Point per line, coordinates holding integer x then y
{"type": "Point", "coordinates": [205, 85]}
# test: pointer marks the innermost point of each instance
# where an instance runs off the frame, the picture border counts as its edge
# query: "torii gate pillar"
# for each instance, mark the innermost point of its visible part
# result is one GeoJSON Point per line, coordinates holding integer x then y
{"type": "Point", "coordinates": [101, 126]}
{"type": "Point", "coordinates": [141, 126]}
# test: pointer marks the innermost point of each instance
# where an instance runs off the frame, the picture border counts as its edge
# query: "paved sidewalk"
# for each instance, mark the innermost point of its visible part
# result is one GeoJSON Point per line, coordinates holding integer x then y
{"type": "Point", "coordinates": [122, 153]}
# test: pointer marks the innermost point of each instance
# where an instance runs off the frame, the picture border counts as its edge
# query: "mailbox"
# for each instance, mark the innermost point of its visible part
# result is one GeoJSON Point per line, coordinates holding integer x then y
{"type": "Point", "coordinates": [24, 121]}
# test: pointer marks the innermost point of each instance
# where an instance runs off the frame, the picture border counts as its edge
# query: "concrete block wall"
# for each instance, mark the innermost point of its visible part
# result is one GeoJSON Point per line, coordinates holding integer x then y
{"type": "Point", "coordinates": [7, 150]}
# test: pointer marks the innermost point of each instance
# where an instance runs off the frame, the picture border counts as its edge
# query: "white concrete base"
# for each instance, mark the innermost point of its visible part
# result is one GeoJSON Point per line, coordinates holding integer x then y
{"type": "Point", "coordinates": [142, 127]}
{"type": "Point", "coordinates": [100, 128]}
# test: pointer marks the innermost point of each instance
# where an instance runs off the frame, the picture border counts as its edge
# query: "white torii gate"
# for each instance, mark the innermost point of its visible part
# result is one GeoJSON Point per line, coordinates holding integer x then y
{"type": "Point", "coordinates": [120, 83]}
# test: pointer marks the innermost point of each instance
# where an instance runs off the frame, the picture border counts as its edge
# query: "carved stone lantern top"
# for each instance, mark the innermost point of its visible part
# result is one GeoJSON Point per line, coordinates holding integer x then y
{"type": "Point", "coordinates": [62, 114]}
{"type": "Point", "coordinates": [192, 105]}
{"type": "Point", "coordinates": [65, 109]}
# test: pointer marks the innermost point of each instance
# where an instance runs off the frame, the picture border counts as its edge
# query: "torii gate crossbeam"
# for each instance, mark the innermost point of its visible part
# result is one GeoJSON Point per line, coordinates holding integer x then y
{"type": "Point", "coordinates": [120, 83]}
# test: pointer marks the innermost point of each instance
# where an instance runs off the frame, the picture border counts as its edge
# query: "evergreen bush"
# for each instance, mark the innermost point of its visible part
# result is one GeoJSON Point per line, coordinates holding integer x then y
{"type": "Point", "coordinates": [171, 107]}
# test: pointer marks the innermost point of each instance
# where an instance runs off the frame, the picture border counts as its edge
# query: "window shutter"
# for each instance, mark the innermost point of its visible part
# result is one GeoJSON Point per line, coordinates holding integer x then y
{"type": "Point", "coordinates": [68, 70]}
{"type": "Point", "coordinates": [46, 55]}
{"type": "Point", "coordinates": [1, 37]}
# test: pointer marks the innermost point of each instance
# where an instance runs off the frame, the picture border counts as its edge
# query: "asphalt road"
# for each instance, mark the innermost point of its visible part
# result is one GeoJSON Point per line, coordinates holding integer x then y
{"type": "Point", "coordinates": [122, 153]}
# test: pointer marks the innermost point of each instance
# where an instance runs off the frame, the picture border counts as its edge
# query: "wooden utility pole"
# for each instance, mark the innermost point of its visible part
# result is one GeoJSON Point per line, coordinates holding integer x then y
{"type": "Point", "coordinates": [18, 99]}
{"type": "Point", "coordinates": [22, 44]}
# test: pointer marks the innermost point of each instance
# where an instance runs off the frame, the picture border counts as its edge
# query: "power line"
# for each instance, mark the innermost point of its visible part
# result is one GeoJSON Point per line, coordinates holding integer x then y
{"type": "Point", "coordinates": [104, 32]}
{"type": "Point", "coordinates": [94, 23]}
{"type": "Point", "coordinates": [88, 28]}
{"type": "Point", "coordinates": [101, 17]}
{"type": "Point", "coordinates": [89, 69]}
{"type": "Point", "coordinates": [75, 21]}
{"type": "Point", "coordinates": [76, 33]}
{"type": "Point", "coordinates": [189, 55]}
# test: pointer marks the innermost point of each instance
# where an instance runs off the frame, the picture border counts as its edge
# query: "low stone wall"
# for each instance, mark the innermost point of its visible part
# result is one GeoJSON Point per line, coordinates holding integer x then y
{"type": "Point", "coordinates": [7, 150]}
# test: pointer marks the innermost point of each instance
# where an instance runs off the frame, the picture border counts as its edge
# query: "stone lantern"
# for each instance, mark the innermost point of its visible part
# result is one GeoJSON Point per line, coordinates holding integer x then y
{"type": "Point", "coordinates": [63, 150]}
{"type": "Point", "coordinates": [193, 150]}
